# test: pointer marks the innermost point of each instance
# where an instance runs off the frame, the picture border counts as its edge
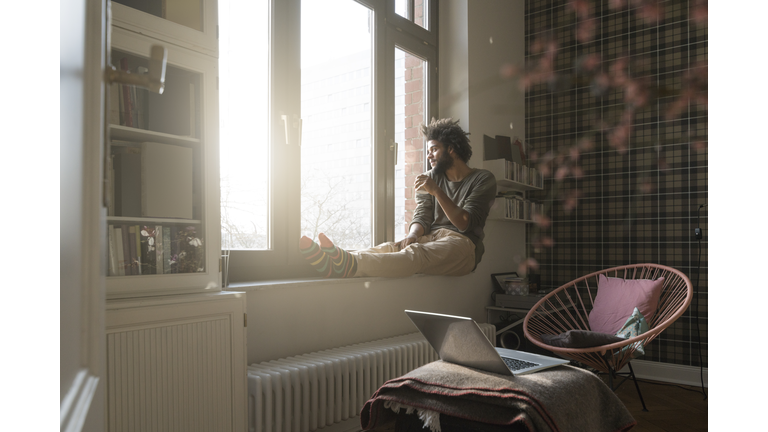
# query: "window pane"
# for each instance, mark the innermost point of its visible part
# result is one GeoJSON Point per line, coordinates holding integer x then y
{"type": "Point", "coordinates": [410, 93]}
{"type": "Point", "coordinates": [336, 106]}
{"type": "Point", "coordinates": [244, 123]}
{"type": "Point", "coordinates": [185, 12]}
{"type": "Point", "coordinates": [419, 11]}
{"type": "Point", "coordinates": [401, 8]}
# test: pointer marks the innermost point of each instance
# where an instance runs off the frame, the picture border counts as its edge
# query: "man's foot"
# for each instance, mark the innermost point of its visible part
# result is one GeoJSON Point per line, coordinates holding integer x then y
{"type": "Point", "coordinates": [344, 264]}
{"type": "Point", "coordinates": [327, 259]}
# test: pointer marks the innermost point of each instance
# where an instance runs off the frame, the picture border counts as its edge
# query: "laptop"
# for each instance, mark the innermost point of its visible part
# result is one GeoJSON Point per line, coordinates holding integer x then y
{"type": "Point", "coordinates": [459, 340]}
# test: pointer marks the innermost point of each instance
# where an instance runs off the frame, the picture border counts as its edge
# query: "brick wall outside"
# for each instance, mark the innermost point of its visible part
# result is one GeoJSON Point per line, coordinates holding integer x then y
{"type": "Point", "coordinates": [414, 116]}
{"type": "Point", "coordinates": [414, 143]}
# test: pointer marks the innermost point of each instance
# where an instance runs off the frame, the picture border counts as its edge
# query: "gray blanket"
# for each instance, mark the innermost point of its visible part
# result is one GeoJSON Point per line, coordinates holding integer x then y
{"type": "Point", "coordinates": [563, 398]}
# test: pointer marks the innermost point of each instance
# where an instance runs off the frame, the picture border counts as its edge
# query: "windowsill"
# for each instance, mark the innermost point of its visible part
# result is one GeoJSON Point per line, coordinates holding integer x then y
{"type": "Point", "coordinates": [303, 283]}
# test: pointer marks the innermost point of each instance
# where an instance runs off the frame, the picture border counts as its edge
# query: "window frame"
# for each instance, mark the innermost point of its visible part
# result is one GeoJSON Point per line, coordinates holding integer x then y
{"type": "Point", "coordinates": [282, 259]}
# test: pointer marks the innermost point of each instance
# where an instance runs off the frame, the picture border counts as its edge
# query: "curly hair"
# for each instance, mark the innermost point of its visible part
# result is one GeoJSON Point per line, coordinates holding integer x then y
{"type": "Point", "coordinates": [450, 134]}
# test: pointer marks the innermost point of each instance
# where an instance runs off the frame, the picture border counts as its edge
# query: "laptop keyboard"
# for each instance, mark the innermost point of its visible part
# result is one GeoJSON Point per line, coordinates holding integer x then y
{"type": "Point", "coordinates": [516, 364]}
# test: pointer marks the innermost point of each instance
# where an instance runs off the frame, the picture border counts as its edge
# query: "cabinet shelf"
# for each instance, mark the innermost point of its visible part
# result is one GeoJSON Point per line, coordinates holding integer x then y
{"type": "Point", "coordinates": [126, 133]}
{"type": "Point", "coordinates": [149, 220]}
{"type": "Point", "coordinates": [509, 173]}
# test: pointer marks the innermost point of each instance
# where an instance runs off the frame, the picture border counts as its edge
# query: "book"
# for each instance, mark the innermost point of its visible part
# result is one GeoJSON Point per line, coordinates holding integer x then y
{"type": "Point", "coordinates": [119, 251]}
{"type": "Point", "coordinates": [166, 250]}
{"type": "Point", "coordinates": [137, 234]}
{"type": "Point", "coordinates": [166, 181]}
{"type": "Point", "coordinates": [490, 149]}
{"type": "Point", "coordinates": [504, 146]}
{"type": "Point", "coordinates": [516, 150]}
{"type": "Point", "coordinates": [121, 103]}
{"type": "Point", "coordinates": [133, 262]}
{"type": "Point", "coordinates": [148, 257]}
{"type": "Point", "coordinates": [520, 149]}
{"type": "Point", "coordinates": [112, 251]}
{"type": "Point", "coordinates": [159, 253]}
{"type": "Point", "coordinates": [174, 249]}
{"type": "Point", "coordinates": [111, 186]}
{"type": "Point", "coordinates": [114, 104]}
{"type": "Point", "coordinates": [127, 268]}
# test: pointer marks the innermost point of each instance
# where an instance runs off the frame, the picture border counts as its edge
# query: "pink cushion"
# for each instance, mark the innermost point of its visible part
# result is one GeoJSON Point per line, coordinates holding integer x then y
{"type": "Point", "coordinates": [617, 298]}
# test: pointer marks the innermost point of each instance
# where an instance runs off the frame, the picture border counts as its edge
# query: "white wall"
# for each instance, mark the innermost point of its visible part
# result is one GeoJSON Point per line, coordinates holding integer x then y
{"type": "Point", "coordinates": [298, 317]}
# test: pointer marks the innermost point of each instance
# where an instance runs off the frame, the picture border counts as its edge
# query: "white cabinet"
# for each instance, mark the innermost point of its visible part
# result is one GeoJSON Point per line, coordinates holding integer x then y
{"type": "Point", "coordinates": [177, 363]}
{"type": "Point", "coordinates": [176, 345]}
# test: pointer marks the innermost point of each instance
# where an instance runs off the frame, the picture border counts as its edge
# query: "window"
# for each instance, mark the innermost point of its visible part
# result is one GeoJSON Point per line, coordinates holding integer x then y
{"type": "Point", "coordinates": [413, 10]}
{"type": "Point", "coordinates": [337, 127]}
{"type": "Point", "coordinates": [244, 124]}
{"type": "Point", "coordinates": [410, 91]}
{"type": "Point", "coordinates": [319, 102]}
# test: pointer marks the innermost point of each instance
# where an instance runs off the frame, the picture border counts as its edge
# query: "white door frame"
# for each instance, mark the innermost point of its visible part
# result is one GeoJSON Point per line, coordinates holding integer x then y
{"type": "Point", "coordinates": [83, 215]}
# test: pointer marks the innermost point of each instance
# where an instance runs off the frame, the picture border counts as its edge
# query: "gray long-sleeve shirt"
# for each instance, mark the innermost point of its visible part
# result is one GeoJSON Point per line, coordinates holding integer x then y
{"type": "Point", "coordinates": [475, 194]}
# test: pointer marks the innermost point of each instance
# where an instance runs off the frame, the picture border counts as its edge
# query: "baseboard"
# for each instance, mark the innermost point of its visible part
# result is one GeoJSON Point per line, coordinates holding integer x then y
{"type": "Point", "coordinates": [667, 372]}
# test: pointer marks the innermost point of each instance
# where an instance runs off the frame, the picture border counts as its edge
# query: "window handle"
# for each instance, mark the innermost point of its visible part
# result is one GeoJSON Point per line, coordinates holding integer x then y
{"type": "Point", "coordinates": [285, 124]}
{"type": "Point", "coordinates": [297, 123]}
{"type": "Point", "coordinates": [393, 147]}
{"type": "Point", "coordinates": [154, 80]}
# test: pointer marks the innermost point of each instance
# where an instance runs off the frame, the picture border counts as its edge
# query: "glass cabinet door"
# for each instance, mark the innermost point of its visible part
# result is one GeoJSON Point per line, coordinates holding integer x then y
{"type": "Point", "coordinates": [162, 216]}
{"type": "Point", "coordinates": [188, 23]}
{"type": "Point", "coordinates": [188, 13]}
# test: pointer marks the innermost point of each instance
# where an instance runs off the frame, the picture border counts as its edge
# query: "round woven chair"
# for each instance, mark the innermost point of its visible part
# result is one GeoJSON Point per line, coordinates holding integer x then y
{"type": "Point", "coordinates": [568, 308]}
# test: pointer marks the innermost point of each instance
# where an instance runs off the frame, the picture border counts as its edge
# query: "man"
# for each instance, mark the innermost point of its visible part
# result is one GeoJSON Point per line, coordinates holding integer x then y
{"type": "Point", "coordinates": [446, 235]}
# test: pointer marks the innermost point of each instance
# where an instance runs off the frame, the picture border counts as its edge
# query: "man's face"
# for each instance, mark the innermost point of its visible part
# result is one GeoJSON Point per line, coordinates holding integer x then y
{"type": "Point", "coordinates": [439, 158]}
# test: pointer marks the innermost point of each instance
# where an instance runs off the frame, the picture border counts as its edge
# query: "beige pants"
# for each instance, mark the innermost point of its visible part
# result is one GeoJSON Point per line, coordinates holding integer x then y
{"type": "Point", "coordinates": [441, 252]}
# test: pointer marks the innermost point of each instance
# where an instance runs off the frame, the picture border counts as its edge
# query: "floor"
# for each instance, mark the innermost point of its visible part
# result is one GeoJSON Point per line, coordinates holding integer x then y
{"type": "Point", "coordinates": [671, 407]}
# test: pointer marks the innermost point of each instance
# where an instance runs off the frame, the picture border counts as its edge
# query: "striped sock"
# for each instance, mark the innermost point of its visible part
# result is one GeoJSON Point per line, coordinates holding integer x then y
{"type": "Point", "coordinates": [328, 260]}
{"type": "Point", "coordinates": [343, 263]}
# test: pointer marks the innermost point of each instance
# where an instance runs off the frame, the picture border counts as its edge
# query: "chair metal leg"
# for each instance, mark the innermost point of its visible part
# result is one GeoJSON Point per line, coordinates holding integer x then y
{"type": "Point", "coordinates": [610, 380]}
{"type": "Point", "coordinates": [626, 376]}
{"type": "Point", "coordinates": [634, 379]}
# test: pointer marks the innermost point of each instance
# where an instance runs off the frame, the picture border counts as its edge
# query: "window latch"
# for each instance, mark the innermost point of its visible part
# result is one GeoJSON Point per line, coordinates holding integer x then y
{"type": "Point", "coordinates": [393, 147]}
{"type": "Point", "coordinates": [297, 123]}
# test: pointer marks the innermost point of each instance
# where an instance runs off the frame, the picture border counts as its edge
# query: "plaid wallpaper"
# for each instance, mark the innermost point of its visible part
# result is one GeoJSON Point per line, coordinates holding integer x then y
{"type": "Point", "coordinates": [635, 206]}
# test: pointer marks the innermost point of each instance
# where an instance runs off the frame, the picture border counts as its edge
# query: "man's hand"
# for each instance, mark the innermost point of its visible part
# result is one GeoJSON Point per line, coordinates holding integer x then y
{"type": "Point", "coordinates": [410, 238]}
{"type": "Point", "coordinates": [425, 183]}
{"type": "Point", "coordinates": [414, 233]}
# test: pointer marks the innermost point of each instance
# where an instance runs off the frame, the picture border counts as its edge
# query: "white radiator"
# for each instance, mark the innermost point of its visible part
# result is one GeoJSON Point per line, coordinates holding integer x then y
{"type": "Point", "coordinates": [310, 391]}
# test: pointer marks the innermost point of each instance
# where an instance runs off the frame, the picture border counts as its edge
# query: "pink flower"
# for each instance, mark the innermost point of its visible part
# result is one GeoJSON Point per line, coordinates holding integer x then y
{"type": "Point", "coordinates": [529, 263]}
{"type": "Point", "coordinates": [542, 220]}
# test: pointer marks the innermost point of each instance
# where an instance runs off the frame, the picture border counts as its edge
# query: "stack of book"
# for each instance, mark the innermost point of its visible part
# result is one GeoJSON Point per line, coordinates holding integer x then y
{"type": "Point", "coordinates": [504, 169]}
{"type": "Point", "coordinates": [513, 206]}
{"type": "Point", "coordinates": [129, 105]}
{"type": "Point", "coordinates": [157, 249]}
